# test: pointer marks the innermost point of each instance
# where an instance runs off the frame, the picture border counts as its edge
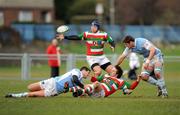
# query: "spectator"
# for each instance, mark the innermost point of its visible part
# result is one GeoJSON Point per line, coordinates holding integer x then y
{"type": "Point", "coordinates": [54, 61]}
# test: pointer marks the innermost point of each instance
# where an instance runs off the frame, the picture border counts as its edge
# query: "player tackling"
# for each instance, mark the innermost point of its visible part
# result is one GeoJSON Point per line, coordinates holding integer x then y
{"type": "Point", "coordinates": [54, 86]}
{"type": "Point", "coordinates": [153, 61]}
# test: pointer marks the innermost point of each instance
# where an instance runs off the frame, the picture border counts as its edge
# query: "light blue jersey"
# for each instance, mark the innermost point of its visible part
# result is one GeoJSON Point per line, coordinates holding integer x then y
{"type": "Point", "coordinates": [67, 77]}
{"type": "Point", "coordinates": [142, 47]}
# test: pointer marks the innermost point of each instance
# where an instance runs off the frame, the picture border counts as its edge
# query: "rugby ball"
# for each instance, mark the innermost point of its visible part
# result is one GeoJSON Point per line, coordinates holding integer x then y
{"type": "Point", "coordinates": [62, 29]}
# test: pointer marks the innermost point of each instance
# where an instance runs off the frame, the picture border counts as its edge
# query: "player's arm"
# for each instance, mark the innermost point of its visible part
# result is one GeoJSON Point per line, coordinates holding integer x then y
{"type": "Point", "coordinates": [123, 56]}
{"type": "Point", "coordinates": [99, 78]}
{"type": "Point", "coordinates": [149, 46]}
{"type": "Point", "coordinates": [151, 53]}
{"type": "Point", "coordinates": [111, 42]}
{"type": "Point", "coordinates": [71, 37]}
{"type": "Point", "coordinates": [77, 82]}
{"type": "Point", "coordinates": [128, 88]}
{"type": "Point", "coordinates": [135, 83]}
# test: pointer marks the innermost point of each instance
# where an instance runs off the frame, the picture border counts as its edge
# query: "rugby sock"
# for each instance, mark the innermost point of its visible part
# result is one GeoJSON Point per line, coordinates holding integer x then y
{"type": "Point", "coordinates": [152, 81]}
{"type": "Point", "coordinates": [75, 88]}
{"type": "Point", "coordinates": [89, 89]}
{"type": "Point", "coordinates": [161, 84]}
{"type": "Point", "coordinates": [20, 94]}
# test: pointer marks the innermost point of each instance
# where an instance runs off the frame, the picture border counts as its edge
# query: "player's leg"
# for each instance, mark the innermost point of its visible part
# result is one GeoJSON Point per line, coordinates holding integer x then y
{"type": "Point", "coordinates": [43, 88]}
{"type": "Point", "coordinates": [107, 66]}
{"type": "Point", "coordinates": [40, 93]}
{"type": "Point", "coordinates": [145, 75]}
{"type": "Point", "coordinates": [17, 95]}
{"type": "Point", "coordinates": [94, 64]}
{"type": "Point", "coordinates": [34, 86]}
{"type": "Point", "coordinates": [158, 71]}
{"type": "Point", "coordinates": [132, 74]}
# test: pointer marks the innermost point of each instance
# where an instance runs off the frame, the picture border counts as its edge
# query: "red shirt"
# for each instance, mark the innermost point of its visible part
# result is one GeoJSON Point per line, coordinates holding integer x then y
{"type": "Point", "coordinates": [52, 50]}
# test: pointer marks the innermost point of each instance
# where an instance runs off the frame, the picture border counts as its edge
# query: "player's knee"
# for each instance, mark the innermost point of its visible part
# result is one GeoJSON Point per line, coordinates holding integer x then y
{"type": "Point", "coordinates": [29, 87]}
{"type": "Point", "coordinates": [144, 77]}
{"type": "Point", "coordinates": [157, 74]}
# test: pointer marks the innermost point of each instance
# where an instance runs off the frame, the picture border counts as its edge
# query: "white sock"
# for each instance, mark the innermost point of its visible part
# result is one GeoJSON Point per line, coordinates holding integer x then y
{"type": "Point", "coordinates": [20, 94]}
{"type": "Point", "coordinates": [161, 83]}
{"type": "Point", "coordinates": [152, 81]}
{"type": "Point", "coordinates": [90, 89]}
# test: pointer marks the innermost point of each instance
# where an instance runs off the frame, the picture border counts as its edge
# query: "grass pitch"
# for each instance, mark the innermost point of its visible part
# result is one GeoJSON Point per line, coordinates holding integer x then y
{"type": "Point", "coordinates": [142, 101]}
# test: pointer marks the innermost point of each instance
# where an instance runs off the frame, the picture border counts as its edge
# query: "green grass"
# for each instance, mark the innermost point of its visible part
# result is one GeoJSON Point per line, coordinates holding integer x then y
{"type": "Point", "coordinates": [142, 100]}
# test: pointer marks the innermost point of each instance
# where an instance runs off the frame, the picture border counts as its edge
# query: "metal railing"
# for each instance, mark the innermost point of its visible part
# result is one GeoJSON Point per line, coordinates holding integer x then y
{"type": "Point", "coordinates": [71, 59]}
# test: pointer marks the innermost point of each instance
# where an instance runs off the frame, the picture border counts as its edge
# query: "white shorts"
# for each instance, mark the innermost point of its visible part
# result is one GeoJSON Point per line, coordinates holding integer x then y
{"type": "Point", "coordinates": [98, 94]}
{"type": "Point", "coordinates": [49, 87]}
{"type": "Point", "coordinates": [101, 60]}
{"type": "Point", "coordinates": [133, 64]}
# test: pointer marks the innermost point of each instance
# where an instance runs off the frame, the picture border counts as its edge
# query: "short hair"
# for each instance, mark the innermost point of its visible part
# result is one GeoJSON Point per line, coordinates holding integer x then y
{"type": "Point", "coordinates": [119, 71]}
{"type": "Point", "coordinates": [128, 39]}
{"type": "Point", "coordinates": [85, 68]}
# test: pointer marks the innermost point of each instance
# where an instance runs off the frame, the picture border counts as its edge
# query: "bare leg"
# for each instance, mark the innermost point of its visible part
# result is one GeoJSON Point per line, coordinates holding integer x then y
{"type": "Point", "coordinates": [27, 94]}
{"type": "Point", "coordinates": [34, 87]}
{"type": "Point", "coordinates": [36, 94]}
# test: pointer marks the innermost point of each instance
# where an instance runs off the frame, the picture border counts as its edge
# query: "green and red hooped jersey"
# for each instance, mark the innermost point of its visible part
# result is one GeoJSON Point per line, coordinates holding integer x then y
{"type": "Point", "coordinates": [111, 85]}
{"type": "Point", "coordinates": [95, 42]}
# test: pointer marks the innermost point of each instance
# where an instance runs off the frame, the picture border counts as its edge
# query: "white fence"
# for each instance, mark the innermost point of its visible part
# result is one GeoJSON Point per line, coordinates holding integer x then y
{"type": "Point", "coordinates": [26, 60]}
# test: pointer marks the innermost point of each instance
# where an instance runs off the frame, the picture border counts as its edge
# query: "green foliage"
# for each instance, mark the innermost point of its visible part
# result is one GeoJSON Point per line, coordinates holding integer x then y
{"type": "Point", "coordinates": [84, 7]}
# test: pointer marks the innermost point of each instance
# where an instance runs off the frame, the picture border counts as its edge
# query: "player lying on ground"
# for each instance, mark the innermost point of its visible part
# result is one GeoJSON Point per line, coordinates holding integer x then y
{"type": "Point", "coordinates": [103, 88]}
{"type": "Point", "coordinates": [55, 86]}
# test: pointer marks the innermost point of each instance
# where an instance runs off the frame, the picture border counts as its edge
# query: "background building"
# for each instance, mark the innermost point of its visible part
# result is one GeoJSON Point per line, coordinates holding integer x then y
{"type": "Point", "coordinates": [38, 11]}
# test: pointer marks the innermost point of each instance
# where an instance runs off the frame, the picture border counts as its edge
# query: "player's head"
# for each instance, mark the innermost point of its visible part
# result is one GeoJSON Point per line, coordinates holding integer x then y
{"type": "Point", "coordinates": [95, 26]}
{"type": "Point", "coordinates": [85, 71]}
{"type": "Point", "coordinates": [129, 41]}
{"type": "Point", "coordinates": [54, 42]}
{"type": "Point", "coordinates": [119, 71]}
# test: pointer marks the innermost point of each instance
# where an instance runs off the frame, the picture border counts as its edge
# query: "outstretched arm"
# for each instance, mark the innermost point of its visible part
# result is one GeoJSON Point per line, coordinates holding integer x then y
{"type": "Point", "coordinates": [77, 82]}
{"type": "Point", "coordinates": [123, 56]}
{"type": "Point", "coordinates": [128, 88]}
{"type": "Point", "coordinates": [120, 59]}
{"type": "Point", "coordinates": [135, 83]}
{"type": "Point", "coordinates": [112, 43]}
{"type": "Point", "coordinates": [72, 37]}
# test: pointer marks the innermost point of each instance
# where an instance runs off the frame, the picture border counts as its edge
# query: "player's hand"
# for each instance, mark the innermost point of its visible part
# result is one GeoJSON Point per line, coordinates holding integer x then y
{"type": "Point", "coordinates": [60, 36]}
{"type": "Point", "coordinates": [138, 78]}
{"type": "Point", "coordinates": [146, 65]}
{"type": "Point", "coordinates": [58, 49]}
{"type": "Point", "coordinates": [93, 79]}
